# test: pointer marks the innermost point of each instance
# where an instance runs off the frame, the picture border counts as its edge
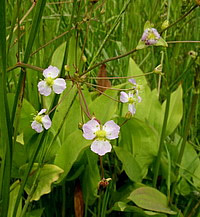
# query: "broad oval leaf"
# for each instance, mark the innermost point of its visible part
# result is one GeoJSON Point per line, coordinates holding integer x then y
{"type": "Point", "coordinates": [46, 175]}
{"type": "Point", "coordinates": [69, 151]}
{"type": "Point", "coordinates": [130, 165]}
{"type": "Point", "coordinates": [151, 199]}
{"type": "Point", "coordinates": [175, 110]}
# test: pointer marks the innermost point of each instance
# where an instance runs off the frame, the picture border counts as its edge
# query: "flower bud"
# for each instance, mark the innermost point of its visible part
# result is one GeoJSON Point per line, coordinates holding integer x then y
{"type": "Point", "coordinates": [158, 70]}
{"type": "Point", "coordinates": [165, 24]}
{"type": "Point", "coordinates": [128, 115]}
{"type": "Point", "coordinates": [80, 126]}
{"type": "Point", "coordinates": [84, 58]}
{"type": "Point", "coordinates": [67, 68]}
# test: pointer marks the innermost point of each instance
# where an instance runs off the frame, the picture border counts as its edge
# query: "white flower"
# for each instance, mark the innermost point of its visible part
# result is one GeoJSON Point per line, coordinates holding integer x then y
{"type": "Point", "coordinates": [131, 99]}
{"type": "Point", "coordinates": [41, 121]}
{"type": "Point", "coordinates": [51, 82]}
{"type": "Point", "coordinates": [101, 135]}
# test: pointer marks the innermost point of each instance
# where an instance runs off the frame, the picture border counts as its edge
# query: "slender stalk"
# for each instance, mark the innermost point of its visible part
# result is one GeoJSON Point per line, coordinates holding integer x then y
{"type": "Point", "coordinates": [5, 126]}
{"type": "Point", "coordinates": [181, 18]}
{"type": "Point", "coordinates": [110, 32]}
{"type": "Point", "coordinates": [161, 144]}
{"type": "Point", "coordinates": [108, 60]}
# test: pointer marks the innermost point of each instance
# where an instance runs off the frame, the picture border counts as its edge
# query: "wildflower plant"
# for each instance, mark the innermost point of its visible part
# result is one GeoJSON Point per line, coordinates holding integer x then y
{"type": "Point", "coordinates": [58, 145]}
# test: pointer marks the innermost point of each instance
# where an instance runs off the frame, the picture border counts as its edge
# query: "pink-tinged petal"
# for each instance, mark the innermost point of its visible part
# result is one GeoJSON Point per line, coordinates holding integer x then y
{"type": "Point", "coordinates": [46, 121]}
{"type": "Point", "coordinates": [112, 130]}
{"type": "Point", "coordinates": [51, 71]}
{"type": "Point", "coordinates": [155, 32]}
{"type": "Point", "coordinates": [123, 97]}
{"type": "Point", "coordinates": [132, 109]}
{"type": "Point", "coordinates": [101, 147]}
{"type": "Point", "coordinates": [42, 111]}
{"type": "Point", "coordinates": [90, 128]}
{"type": "Point", "coordinates": [130, 95]}
{"type": "Point", "coordinates": [145, 34]}
{"type": "Point", "coordinates": [132, 81]}
{"type": "Point", "coordinates": [43, 88]}
{"type": "Point", "coordinates": [59, 85]}
{"type": "Point", "coordinates": [37, 126]}
{"type": "Point", "coordinates": [139, 99]}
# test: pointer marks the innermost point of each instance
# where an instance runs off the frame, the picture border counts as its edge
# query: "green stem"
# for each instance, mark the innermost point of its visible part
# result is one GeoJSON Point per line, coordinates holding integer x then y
{"type": "Point", "coordinates": [161, 145]}
{"type": "Point", "coordinates": [181, 18]}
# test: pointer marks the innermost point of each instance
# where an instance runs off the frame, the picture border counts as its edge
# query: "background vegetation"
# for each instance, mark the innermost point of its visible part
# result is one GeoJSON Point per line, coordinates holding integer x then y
{"type": "Point", "coordinates": [154, 165]}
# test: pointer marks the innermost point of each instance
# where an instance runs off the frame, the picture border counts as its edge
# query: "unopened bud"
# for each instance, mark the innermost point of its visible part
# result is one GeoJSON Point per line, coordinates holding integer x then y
{"type": "Point", "coordinates": [80, 126]}
{"type": "Point", "coordinates": [104, 183]}
{"type": "Point", "coordinates": [84, 58]}
{"type": "Point", "coordinates": [128, 115]}
{"type": "Point", "coordinates": [67, 68]}
{"type": "Point", "coordinates": [158, 70]}
{"type": "Point", "coordinates": [165, 24]}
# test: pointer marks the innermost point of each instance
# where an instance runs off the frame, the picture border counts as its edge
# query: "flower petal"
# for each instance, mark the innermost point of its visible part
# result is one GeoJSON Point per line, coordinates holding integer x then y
{"type": "Point", "coordinates": [90, 128]}
{"type": "Point", "coordinates": [112, 130]}
{"type": "Point", "coordinates": [132, 81]}
{"type": "Point", "coordinates": [37, 126]}
{"type": "Point", "coordinates": [101, 147]}
{"type": "Point", "coordinates": [139, 99]}
{"type": "Point", "coordinates": [155, 32]}
{"type": "Point", "coordinates": [46, 121]}
{"type": "Point", "coordinates": [59, 85]}
{"type": "Point", "coordinates": [123, 97]}
{"type": "Point", "coordinates": [131, 108]}
{"type": "Point", "coordinates": [51, 71]}
{"type": "Point", "coordinates": [42, 111]}
{"type": "Point", "coordinates": [145, 34]}
{"type": "Point", "coordinates": [43, 88]}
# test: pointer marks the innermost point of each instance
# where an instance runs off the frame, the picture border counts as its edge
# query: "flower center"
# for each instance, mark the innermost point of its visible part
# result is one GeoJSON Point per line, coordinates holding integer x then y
{"type": "Point", "coordinates": [131, 100]}
{"type": "Point", "coordinates": [101, 134]}
{"type": "Point", "coordinates": [49, 81]}
{"type": "Point", "coordinates": [38, 118]}
{"type": "Point", "coordinates": [151, 36]}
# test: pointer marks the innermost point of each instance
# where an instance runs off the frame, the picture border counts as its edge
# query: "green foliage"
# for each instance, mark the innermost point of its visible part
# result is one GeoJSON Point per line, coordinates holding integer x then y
{"type": "Point", "coordinates": [40, 179]}
{"type": "Point", "coordinates": [151, 199]}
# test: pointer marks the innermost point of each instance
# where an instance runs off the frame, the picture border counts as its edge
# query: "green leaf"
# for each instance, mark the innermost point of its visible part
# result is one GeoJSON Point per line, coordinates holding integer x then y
{"type": "Point", "coordinates": [58, 55]}
{"type": "Point", "coordinates": [102, 103]}
{"type": "Point", "coordinates": [48, 173]}
{"type": "Point", "coordinates": [175, 110]}
{"type": "Point", "coordinates": [151, 199]}
{"type": "Point", "coordinates": [141, 140]}
{"type": "Point", "coordinates": [124, 207]}
{"type": "Point", "coordinates": [130, 165]}
{"type": "Point", "coordinates": [69, 151]}
{"type": "Point", "coordinates": [35, 213]}
{"type": "Point", "coordinates": [91, 178]}
{"type": "Point", "coordinates": [14, 189]}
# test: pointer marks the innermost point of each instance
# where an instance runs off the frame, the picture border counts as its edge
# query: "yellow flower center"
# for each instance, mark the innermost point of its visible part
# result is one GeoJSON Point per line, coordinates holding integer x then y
{"type": "Point", "coordinates": [38, 118]}
{"type": "Point", "coordinates": [151, 36]}
{"type": "Point", "coordinates": [49, 81]}
{"type": "Point", "coordinates": [101, 134]}
{"type": "Point", "coordinates": [131, 100]}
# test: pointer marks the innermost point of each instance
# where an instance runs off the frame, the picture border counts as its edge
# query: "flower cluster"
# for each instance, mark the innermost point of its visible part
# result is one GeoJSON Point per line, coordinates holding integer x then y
{"type": "Point", "coordinates": [150, 36]}
{"type": "Point", "coordinates": [100, 135]}
{"type": "Point", "coordinates": [132, 97]}
{"type": "Point", "coordinates": [45, 87]}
